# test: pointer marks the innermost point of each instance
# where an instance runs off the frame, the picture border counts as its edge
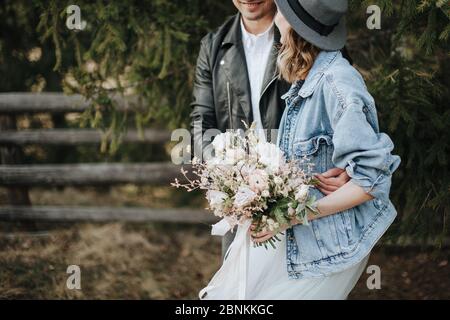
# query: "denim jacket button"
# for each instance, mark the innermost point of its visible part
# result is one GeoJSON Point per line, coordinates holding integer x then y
{"type": "Point", "coordinates": [365, 109]}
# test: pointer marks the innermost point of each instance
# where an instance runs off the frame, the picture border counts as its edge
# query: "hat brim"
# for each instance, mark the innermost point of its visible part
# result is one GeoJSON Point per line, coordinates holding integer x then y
{"type": "Point", "coordinates": [333, 41]}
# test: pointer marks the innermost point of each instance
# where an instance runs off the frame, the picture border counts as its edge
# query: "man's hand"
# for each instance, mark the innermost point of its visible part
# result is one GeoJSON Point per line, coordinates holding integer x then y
{"type": "Point", "coordinates": [331, 180]}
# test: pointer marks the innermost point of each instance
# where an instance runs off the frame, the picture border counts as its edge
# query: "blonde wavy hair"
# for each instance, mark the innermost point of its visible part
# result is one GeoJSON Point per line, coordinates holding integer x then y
{"type": "Point", "coordinates": [296, 57]}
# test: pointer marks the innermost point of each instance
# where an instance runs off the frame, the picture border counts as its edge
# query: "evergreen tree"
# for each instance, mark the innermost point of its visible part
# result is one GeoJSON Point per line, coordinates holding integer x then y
{"type": "Point", "coordinates": [148, 49]}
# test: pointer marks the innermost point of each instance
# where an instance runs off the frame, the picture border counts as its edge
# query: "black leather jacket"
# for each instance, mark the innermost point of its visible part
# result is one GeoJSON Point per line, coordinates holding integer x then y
{"type": "Point", "coordinates": [221, 97]}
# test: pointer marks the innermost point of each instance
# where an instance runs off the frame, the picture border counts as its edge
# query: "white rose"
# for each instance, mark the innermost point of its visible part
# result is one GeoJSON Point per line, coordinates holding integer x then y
{"type": "Point", "coordinates": [221, 142]}
{"type": "Point", "coordinates": [215, 197]}
{"type": "Point", "coordinates": [233, 156]}
{"type": "Point", "coordinates": [244, 196]}
{"type": "Point", "coordinates": [302, 193]}
{"type": "Point", "coordinates": [270, 155]}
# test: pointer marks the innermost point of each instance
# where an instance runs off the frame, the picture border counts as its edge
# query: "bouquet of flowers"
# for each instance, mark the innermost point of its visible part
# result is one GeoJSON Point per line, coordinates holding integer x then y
{"type": "Point", "coordinates": [248, 178]}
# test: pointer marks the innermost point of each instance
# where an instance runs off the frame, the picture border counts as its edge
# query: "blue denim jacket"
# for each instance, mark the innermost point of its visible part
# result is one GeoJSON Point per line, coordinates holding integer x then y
{"type": "Point", "coordinates": [331, 118]}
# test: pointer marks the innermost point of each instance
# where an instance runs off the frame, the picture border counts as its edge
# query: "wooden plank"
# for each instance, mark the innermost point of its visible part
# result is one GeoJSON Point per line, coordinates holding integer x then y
{"type": "Point", "coordinates": [54, 102]}
{"type": "Point", "coordinates": [89, 174]}
{"type": "Point", "coordinates": [74, 213]}
{"type": "Point", "coordinates": [76, 136]}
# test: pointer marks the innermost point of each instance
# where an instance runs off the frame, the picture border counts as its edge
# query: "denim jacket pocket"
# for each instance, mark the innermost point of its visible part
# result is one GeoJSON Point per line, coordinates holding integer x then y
{"type": "Point", "coordinates": [312, 145]}
{"type": "Point", "coordinates": [324, 238]}
{"type": "Point", "coordinates": [318, 149]}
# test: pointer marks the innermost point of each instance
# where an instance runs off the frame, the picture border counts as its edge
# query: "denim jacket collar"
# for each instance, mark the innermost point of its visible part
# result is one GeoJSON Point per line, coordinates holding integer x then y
{"type": "Point", "coordinates": [322, 63]}
{"type": "Point", "coordinates": [293, 93]}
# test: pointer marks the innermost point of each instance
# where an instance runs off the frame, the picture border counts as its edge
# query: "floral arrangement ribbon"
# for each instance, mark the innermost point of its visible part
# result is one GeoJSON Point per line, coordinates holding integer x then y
{"type": "Point", "coordinates": [235, 261]}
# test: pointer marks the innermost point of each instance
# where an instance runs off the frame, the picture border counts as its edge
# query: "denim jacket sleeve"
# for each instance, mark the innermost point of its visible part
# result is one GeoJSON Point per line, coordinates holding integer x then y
{"type": "Point", "coordinates": [361, 149]}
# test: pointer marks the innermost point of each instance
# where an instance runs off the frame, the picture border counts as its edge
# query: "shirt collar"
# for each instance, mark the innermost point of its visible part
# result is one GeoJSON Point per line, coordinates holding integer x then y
{"type": "Point", "coordinates": [267, 35]}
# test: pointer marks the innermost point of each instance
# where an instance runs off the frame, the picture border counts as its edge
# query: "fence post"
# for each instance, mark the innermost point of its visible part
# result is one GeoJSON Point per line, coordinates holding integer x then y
{"type": "Point", "coordinates": [11, 154]}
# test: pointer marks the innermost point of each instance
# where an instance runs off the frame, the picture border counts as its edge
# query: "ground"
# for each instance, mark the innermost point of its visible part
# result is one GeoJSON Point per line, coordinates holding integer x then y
{"type": "Point", "coordinates": [161, 261]}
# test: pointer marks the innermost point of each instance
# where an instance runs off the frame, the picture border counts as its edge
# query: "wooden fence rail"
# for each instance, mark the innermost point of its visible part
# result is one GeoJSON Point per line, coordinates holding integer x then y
{"type": "Point", "coordinates": [54, 102]}
{"type": "Point", "coordinates": [76, 136]}
{"type": "Point", "coordinates": [88, 174]}
{"type": "Point", "coordinates": [103, 214]}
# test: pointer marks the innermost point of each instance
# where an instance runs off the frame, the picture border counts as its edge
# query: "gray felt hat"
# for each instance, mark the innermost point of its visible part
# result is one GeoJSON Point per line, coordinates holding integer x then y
{"type": "Point", "coordinates": [320, 22]}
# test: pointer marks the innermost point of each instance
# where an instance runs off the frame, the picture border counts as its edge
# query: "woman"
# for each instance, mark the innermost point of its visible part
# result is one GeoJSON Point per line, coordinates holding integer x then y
{"type": "Point", "coordinates": [330, 118]}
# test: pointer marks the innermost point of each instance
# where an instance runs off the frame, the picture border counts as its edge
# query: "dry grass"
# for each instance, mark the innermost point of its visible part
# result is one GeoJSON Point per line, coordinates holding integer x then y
{"type": "Point", "coordinates": [160, 261]}
{"type": "Point", "coordinates": [117, 261]}
{"type": "Point", "coordinates": [155, 261]}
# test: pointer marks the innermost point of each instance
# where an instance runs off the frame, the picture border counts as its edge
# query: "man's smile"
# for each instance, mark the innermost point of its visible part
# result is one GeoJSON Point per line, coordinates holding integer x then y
{"type": "Point", "coordinates": [252, 4]}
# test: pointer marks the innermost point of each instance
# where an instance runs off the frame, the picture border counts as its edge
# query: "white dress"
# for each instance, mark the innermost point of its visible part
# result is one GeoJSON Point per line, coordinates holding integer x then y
{"type": "Point", "coordinates": [257, 273]}
{"type": "Point", "coordinates": [267, 278]}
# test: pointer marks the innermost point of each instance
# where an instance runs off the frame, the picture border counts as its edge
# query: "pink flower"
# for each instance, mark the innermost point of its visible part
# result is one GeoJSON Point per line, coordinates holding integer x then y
{"type": "Point", "coordinates": [258, 180]}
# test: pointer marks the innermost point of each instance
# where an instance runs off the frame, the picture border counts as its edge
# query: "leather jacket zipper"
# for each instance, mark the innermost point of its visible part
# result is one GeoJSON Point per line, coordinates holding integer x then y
{"type": "Point", "coordinates": [229, 104]}
{"type": "Point", "coordinates": [267, 86]}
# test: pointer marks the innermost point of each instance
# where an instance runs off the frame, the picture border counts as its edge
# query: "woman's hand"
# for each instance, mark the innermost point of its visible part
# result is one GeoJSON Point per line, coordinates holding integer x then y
{"type": "Point", "coordinates": [331, 180]}
{"type": "Point", "coordinates": [266, 235]}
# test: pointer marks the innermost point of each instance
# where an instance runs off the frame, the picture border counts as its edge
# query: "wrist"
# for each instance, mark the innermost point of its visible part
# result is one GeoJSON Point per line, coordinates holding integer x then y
{"type": "Point", "coordinates": [314, 211]}
{"type": "Point", "coordinates": [294, 221]}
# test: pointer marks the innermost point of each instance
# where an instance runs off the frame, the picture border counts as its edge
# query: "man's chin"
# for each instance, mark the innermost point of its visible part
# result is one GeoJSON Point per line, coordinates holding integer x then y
{"type": "Point", "coordinates": [252, 16]}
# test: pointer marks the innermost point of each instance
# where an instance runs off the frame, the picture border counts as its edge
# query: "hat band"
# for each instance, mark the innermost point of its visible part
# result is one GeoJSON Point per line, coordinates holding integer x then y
{"type": "Point", "coordinates": [309, 20]}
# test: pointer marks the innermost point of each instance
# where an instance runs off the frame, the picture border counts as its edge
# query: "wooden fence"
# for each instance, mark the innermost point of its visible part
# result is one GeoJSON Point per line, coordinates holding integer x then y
{"type": "Point", "coordinates": [18, 177]}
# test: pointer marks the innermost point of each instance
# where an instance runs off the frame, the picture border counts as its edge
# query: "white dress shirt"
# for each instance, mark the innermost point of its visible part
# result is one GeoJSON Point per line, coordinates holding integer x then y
{"type": "Point", "coordinates": [257, 50]}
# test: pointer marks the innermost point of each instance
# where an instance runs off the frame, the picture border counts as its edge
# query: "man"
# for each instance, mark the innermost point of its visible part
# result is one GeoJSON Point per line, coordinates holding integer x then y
{"type": "Point", "coordinates": [236, 80]}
